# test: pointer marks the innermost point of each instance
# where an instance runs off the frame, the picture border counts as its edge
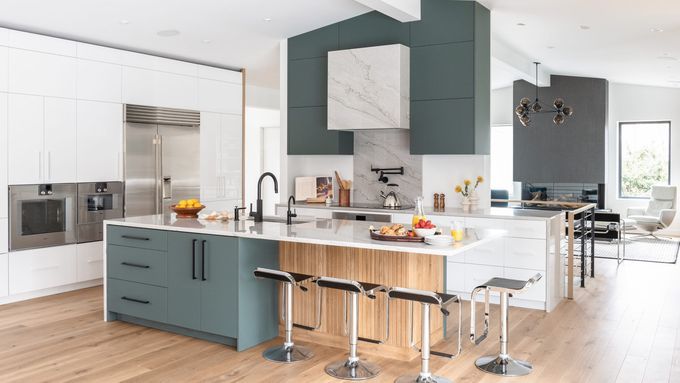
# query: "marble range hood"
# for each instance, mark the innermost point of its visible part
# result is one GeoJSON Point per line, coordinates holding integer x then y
{"type": "Point", "coordinates": [368, 88]}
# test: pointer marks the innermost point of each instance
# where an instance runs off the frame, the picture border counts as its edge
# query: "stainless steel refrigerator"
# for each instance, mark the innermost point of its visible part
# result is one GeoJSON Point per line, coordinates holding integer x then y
{"type": "Point", "coordinates": [162, 158]}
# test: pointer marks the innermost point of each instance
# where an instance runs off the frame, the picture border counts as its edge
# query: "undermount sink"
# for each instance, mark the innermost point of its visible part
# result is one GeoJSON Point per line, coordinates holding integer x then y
{"type": "Point", "coordinates": [282, 220]}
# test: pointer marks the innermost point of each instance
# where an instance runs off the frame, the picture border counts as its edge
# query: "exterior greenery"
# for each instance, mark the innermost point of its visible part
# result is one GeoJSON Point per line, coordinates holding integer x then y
{"type": "Point", "coordinates": [644, 157]}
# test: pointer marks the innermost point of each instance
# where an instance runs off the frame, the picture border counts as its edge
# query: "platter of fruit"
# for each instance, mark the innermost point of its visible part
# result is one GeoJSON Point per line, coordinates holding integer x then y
{"type": "Point", "coordinates": [396, 232]}
{"type": "Point", "coordinates": [188, 208]}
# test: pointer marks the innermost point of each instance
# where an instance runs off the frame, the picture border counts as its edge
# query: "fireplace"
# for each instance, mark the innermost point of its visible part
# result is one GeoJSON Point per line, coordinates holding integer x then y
{"type": "Point", "coordinates": [564, 192]}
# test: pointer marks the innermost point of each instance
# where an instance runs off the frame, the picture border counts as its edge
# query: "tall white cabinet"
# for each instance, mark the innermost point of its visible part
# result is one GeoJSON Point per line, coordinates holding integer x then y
{"type": "Point", "coordinates": [61, 121]}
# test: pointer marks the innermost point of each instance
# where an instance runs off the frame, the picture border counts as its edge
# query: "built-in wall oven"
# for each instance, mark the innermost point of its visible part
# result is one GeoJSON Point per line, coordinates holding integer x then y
{"type": "Point", "coordinates": [98, 201]}
{"type": "Point", "coordinates": [42, 215]}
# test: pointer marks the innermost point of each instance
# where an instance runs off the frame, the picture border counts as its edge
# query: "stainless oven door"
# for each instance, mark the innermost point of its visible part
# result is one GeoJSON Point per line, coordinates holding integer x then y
{"type": "Point", "coordinates": [97, 201]}
{"type": "Point", "coordinates": [42, 215]}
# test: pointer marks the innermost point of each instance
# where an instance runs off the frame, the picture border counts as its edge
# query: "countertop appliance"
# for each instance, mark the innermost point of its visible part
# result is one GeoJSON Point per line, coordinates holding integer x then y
{"type": "Point", "coordinates": [42, 215]}
{"type": "Point", "coordinates": [362, 216]}
{"type": "Point", "coordinates": [162, 154]}
{"type": "Point", "coordinates": [97, 201]}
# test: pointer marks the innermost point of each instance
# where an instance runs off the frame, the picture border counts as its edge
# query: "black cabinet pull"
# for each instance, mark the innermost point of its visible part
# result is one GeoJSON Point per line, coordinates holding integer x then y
{"type": "Point", "coordinates": [135, 300]}
{"type": "Point", "coordinates": [135, 265]}
{"type": "Point", "coordinates": [134, 237]}
{"type": "Point", "coordinates": [193, 258]}
{"type": "Point", "coordinates": [203, 278]}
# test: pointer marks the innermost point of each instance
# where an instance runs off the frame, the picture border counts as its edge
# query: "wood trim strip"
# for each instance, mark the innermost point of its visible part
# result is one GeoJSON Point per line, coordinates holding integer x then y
{"type": "Point", "coordinates": [243, 137]}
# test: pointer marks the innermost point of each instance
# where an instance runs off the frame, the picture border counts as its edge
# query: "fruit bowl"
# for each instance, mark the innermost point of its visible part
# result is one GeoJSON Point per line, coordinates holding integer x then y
{"type": "Point", "coordinates": [422, 232]}
{"type": "Point", "coordinates": [187, 212]}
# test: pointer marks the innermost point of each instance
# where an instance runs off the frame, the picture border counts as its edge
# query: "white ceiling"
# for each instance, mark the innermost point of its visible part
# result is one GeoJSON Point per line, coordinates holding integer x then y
{"type": "Point", "coordinates": [619, 44]}
{"type": "Point", "coordinates": [238, 33]}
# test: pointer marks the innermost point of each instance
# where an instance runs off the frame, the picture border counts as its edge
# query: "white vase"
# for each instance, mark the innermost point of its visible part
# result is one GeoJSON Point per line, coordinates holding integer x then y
{"type": "Point", "coordinates": [474, 201]}
{"type": "Point", "coordinates": [466, 204]}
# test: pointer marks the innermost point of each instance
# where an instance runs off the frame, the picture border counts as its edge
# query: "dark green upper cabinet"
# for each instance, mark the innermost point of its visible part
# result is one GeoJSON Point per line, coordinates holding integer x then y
{"type": "Point", "coordinates": [312, 44]}
{"type": "Point", "coordinates": [443, 21]}
{"type": "Point", "coordinates": [372, 29]}
{"type": "Point", "coordinates": [450, 78]}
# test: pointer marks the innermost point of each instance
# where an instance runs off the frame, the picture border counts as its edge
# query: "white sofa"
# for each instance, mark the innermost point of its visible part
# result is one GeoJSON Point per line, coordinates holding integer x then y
{"type": "Point", "coordinates": [660, 211]}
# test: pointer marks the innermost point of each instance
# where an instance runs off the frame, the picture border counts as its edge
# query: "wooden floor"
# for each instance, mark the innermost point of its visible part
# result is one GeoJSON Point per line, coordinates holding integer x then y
{"type": "Point", "coordinates": [622, 328]}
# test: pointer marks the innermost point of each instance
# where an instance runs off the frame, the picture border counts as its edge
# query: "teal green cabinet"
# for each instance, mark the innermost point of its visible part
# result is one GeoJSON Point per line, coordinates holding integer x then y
{"type": "Point", "coordinates": [372, 29]}
{"type": "Point", "coordinates": [316, 43]}
{"type": "Point", "coordinates": [443, 71]}
{"type": "Point", "coordinates": [442, 22]}
{"type": "Point", "coordinates": [200, 285]}
{"type": "Point", "coordinates": [308, 133]}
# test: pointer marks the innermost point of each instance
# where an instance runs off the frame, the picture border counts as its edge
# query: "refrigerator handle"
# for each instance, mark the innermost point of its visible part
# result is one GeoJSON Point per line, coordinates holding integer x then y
{"type": "Point", "coordinates": [157, 186]}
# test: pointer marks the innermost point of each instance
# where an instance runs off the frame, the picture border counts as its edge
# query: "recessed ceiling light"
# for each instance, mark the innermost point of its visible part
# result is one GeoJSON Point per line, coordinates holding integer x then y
{"type": "Point", "coordinates": [550, 47]}
{"type": "Point", "coordinates": [124, 22]}
{"type": "Point", "coordinates": [267, 19]}
{"type": "Point", "coordinates": [207, 41]}
{"type": "Point", "coordinates": [520, 24]}
{"type": "Point", "coordinates": [667, 58]}
{"type": "Point", "coordinates": [168, 33]}
{"type": "Point", "coordinates": [656, 30]}
{"type": "Point", "coordinates": [584, 27]}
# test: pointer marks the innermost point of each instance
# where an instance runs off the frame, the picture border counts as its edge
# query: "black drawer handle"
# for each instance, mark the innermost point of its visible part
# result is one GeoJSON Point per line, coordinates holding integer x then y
{"type": "Point", "coordinates": [135, 300]}
{"type": "Point", "coordinates": [135, 265]}
{"type": "Point", "coordinates": [134, 237]}
{"type": "Point", "coordinates": [193, 259]}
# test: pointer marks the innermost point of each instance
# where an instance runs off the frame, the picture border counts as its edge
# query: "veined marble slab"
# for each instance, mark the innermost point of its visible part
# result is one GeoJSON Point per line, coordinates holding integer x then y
{"type": "Point", "coordinates": [368, 88]}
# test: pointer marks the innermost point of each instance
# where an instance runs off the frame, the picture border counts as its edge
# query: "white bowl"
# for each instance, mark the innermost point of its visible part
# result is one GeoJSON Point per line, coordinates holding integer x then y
{"type": "Point", "coordinates": [439, 240]}
{"type": "Point", "coordinates": [425, 232]}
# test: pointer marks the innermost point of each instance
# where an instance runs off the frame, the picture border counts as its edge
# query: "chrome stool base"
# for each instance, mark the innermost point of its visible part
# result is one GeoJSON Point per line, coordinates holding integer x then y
{"type": "Point", "coordinates": [359, 370]}
{"type": "Point", "coordinates": [282, 354]}
{"type": "Point", "coordinates": [420, 379]}
{"type": "Point", "coordinates": [505, 367]}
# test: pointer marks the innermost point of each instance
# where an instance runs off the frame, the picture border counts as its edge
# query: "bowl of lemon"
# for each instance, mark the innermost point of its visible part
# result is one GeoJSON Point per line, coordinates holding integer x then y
{"type": "Point", "coordinates": [187, 208]}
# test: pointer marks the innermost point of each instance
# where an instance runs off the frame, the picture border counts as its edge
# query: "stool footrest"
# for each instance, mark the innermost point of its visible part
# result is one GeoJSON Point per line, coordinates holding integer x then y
{"type": "Point", "coordinates": [301, 326]}
{"type": "Point", "coordinates": [369, 340]}
{"type": "Point", "coordinates": [442, 354]}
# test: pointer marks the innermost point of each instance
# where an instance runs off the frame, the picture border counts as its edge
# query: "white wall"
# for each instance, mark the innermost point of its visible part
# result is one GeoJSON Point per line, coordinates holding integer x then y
{"type": "Point", "coordinates": [262, 110]}
{"type": "Point", "coordinates": [441, 174]}
{"type": "Point", "coordinates": [640, 103]}
{"type": "Point", "coordinates": [501, 106]}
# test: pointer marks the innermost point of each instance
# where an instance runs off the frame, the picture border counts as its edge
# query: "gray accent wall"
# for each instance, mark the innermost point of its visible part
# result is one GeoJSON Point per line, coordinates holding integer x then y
{"type": "Point", "coordinates": [573, 152]}
{"type": "Point", "coordinates": [450, 78]}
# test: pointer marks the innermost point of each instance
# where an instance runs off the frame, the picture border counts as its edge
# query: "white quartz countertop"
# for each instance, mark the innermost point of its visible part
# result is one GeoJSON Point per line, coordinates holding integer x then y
{"type": "Point", "coordinates": [494, 212]}
{"type": "Point", "coordinates": [331, 232]}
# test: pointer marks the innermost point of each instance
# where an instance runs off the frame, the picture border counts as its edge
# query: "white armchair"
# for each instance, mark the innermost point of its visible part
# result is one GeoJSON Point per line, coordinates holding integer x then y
{"type": "Point", "coordinates": [660, 211]}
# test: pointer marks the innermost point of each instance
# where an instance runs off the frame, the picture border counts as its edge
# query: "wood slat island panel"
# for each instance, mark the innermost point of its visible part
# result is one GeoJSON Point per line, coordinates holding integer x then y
{"type": "Point", "coordinates": [417, 271]}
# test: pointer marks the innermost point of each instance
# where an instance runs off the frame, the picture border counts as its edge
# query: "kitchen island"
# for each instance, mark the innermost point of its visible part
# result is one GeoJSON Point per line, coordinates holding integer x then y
{"type": "Point", "coordinates": [195, 277]}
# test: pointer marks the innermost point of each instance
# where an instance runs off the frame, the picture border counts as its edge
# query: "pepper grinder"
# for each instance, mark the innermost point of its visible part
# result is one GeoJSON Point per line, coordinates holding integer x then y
{"type": "Point", "coordinates": [436, 201]}
{"type": "Point", "coordinates": [442, 202]}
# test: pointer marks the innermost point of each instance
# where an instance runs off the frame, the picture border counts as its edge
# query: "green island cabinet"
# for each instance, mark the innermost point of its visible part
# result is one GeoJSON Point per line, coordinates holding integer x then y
{"type": "Point", "coordinates": [450, 50]}
{"type": "Point", "coordinates": [192, 284]}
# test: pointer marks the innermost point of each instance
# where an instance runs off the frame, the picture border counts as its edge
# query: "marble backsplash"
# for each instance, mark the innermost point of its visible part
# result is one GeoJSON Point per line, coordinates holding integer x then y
{"type": "Point", "coordinates": [385, 149]}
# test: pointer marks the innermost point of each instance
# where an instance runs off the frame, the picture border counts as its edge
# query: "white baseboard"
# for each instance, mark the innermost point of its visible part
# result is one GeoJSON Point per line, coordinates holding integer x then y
{"type": "Point", "coordinates": [50, 291]}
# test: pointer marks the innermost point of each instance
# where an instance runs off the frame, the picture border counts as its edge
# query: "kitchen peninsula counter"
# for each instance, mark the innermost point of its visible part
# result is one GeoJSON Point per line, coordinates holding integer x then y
{"type": "Point", "coordinates": [195, 277]}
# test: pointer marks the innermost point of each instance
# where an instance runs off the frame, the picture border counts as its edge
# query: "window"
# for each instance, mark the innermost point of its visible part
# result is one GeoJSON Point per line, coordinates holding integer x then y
{"type": "Point", "coordinates": [501, 158]}
{"type": "Point", "coordinates": [644, 157]}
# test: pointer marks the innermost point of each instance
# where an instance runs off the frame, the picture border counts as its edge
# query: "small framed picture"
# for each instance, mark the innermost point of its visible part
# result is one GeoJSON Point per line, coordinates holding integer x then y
{"type": "Point", "coordinates": [324, 187]}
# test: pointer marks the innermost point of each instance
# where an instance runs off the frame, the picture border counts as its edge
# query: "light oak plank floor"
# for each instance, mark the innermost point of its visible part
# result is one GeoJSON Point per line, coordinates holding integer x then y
{"type": "Point", "coordinates": [624, 327]}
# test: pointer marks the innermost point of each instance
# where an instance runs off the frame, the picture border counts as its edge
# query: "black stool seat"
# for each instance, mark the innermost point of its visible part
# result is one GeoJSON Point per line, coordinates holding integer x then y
{"type": "Point", "coordinates": [347, 285]}
{"type": "Point", "coordinates": [428, 297]}
{"type": "Point", "coordinates": [510, 285]}
{"type": "Point", "coordinates": [281, 276]}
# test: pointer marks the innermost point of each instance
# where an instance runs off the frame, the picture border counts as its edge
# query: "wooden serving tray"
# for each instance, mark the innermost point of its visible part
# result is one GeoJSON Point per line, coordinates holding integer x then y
{"type": "Point", "coordinates": [375, 234]}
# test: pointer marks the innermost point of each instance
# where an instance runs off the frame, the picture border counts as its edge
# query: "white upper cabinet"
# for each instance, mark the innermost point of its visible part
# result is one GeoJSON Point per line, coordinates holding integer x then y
{"type": "Point", "coordinates": [147, 87]}
{"type": "Point", "coordinates": [60, 140]}
{"type": "Point", "coordinates": [4, 36]}
{"type": "Point", "coordinates": [99, 53]}
{"type": "Point", "coordinates": [210, 156]}
{"type": "Point", "coordinates": [99, 141]}
{"type": "Point", "coordinates": [42, 74]}
{"type": "Point", "coordinates": [4, 65]}
{"type": "Point", "coordinates": [41, 43]}
{"type": "Point", "coordinates": [231, 127]}
{"type": "Point", "coordinates": [218, 96]}
{"type": "Point", "coordinates": [220, 157]}
{"type": "Point", "coordinates": [98, 81]}
{"type": "Point", "coordinates": [3, 158]}
{"type": "Point", "coordinates": [212, 73]}
{"type": "Point", "coordinates": [25, 139]}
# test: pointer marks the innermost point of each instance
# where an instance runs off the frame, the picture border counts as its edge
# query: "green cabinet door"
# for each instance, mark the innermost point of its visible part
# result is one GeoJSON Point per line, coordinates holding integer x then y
{"type": "Point", "coordinates": [184, 282]}
{"type": "Point", "coordinates": [219, 285]}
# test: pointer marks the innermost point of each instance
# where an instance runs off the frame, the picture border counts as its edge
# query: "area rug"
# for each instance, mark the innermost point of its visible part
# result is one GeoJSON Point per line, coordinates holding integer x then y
{"type": "Point", "coordinates": [645, 249]}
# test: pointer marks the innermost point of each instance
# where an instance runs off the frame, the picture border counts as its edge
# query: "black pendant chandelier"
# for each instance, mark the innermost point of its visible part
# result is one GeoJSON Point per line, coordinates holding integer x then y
{"type": "Point", "coordinates": [526, 108]}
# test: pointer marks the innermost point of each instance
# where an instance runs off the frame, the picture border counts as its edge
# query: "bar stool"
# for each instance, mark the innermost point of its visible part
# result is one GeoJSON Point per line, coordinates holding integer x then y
{"type": "Point", "coordinates": [502, 364]}
{"type": "Point", "coordinates": [289, 352]}
{"type": "Point", "coordinates": [353, 368]}
{"type": "Point", "coordinates": [426, 299]}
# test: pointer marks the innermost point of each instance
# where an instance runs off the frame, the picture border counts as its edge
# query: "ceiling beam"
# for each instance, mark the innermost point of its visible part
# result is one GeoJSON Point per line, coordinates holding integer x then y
{"type": "Point", "coordinates": [402, 10]}
{"type": "Point", "coordinates": [521, 65]}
